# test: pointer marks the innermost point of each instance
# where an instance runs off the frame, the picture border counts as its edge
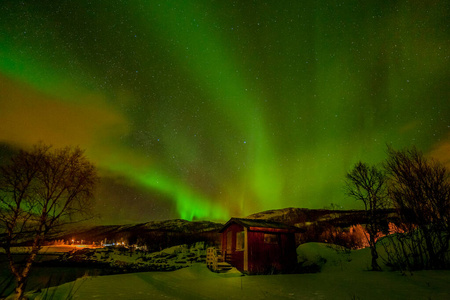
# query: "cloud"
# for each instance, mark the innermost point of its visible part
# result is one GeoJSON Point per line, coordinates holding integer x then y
{"type": "Point", "coordinates": [441, 152]}
{"type": "Point", "coordinates": [29, 116]}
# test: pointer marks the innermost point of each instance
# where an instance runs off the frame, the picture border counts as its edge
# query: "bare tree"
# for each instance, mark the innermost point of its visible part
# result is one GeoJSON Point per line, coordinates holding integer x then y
{"type": "Point", "coordinates": [40, 190]}
{"type": "Point", "coordinates": [367, 184]}
{"type": "Point", "coordinates": [420, 191]}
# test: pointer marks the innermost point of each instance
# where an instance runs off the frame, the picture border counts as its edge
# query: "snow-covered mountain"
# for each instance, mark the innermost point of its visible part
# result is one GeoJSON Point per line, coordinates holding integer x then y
{"type": "Point", "coordinates": [302, 217]}
{"type": "Point", "coordinates": [173, 232]}
{"type": "Point", "coordinates": [180, 225]}
{"type": "Point", "coordinates": [161, 232]}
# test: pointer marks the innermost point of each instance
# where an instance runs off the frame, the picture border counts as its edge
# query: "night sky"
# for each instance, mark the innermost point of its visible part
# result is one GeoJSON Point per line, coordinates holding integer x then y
{"type": "Point", "coordinates": [212, 109]}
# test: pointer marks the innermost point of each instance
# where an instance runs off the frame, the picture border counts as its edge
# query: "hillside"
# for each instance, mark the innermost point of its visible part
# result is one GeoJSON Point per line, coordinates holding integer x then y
{"type": "Point", "coordinates": [158, 233]}
{"type": "Point", "coordinates": [176, 225]}
{"type": "Point", "coordinates": [303, 217]}
{"type": "Point", "coordinates": [161, 234]}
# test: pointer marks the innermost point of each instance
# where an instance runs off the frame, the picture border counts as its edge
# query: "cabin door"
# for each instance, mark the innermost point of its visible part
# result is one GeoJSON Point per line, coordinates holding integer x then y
{"type": "Point", "coordinates": [229, 241]}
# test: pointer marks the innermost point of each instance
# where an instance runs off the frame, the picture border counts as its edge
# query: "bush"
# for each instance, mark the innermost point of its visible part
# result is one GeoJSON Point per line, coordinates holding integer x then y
{"type": "Point", "coordinates": [420, 191]}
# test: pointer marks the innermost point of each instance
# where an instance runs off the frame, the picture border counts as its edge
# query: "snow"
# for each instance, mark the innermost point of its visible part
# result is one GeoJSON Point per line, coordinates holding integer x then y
{"type": "Point", "coordinates": [173, 250]}
{"type": "Point", "coordinates": [269, 214]}
{"type": "Point", "coordinates": [197, 282]}
{"type": "Point", "coordinates": [166, 260]}
{"type": "Point", "coordinates": [344, 275]}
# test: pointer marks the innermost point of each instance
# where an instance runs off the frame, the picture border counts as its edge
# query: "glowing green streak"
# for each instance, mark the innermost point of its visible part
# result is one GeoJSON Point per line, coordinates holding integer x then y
{"type": "Point", "coordinates": [203, 53]}
{"type": "Point", "coordinates": [43, 77]}
{"type": "Point", "coordinates": [189, 204]}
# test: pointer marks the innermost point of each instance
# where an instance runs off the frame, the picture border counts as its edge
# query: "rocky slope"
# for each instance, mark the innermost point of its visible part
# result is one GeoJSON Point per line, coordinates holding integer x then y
{"type": "Point", "coordinates": [303, 217]}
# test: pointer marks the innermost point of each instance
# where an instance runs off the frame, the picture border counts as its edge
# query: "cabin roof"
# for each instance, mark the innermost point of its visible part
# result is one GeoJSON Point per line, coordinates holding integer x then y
{"type": "Point", "coordinates": [259, 223]}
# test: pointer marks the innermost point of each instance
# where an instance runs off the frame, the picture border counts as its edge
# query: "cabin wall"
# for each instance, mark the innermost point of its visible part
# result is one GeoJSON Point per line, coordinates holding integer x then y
{"type": "Point", "coordinates": [266, 257]}
{"type": "Point", "coordinates": [231, 255]}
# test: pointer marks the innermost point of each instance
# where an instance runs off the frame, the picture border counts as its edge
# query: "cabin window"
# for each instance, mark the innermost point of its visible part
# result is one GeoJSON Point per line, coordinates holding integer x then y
{"type": "Point", "coordinates": [240, 241]}
{"type": "Point", "coordinates": [270, 238]}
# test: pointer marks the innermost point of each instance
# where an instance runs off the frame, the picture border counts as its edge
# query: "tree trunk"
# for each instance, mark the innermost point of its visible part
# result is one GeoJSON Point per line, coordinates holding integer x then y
{"type": "Point", "coordinates": [427, 235]}
{"type": "Point", "coordinates": [22, 274]}
{"type": "Point", "coordinates": [23, 277]}
{"type": "Point", "coordinates": [373, 251]}
{"type": "Point", "coordinates": [20, 288]}
{"type": "Point", "coordinates": [375, 266]}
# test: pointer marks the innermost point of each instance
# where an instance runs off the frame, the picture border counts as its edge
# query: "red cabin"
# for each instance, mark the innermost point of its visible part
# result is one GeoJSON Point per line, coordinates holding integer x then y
{"type": "Point", "coordinates": [258, 246]}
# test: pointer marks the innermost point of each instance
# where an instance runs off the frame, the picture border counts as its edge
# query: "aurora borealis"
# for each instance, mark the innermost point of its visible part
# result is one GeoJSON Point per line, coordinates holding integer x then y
{"type": "Point", "coordinates": [212, 109]}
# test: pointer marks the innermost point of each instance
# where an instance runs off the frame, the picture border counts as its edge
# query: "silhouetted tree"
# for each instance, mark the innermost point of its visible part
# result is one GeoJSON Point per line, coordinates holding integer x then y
{"type": "Point", "coordinates": [40, 190]}
{"type": "Point", "coordinates": [367, 184]}
{"type": "Point", "coordinates": [420, 191]}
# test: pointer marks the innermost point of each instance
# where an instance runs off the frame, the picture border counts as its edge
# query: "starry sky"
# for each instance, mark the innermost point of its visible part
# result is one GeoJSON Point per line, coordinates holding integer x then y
{"type": "Point", "coordinates": [212, 109]}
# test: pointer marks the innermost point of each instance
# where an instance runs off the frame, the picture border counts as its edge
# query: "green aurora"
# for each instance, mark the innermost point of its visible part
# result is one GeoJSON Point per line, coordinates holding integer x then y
{"type": "Point", "coordinates": [212, 109]}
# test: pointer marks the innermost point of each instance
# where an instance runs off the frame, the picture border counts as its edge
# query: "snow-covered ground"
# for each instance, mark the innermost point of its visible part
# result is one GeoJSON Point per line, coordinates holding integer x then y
{"type": "Point", "coordinates": [344, 275]}
{"type": "Point", "coordinates": [172, 258]}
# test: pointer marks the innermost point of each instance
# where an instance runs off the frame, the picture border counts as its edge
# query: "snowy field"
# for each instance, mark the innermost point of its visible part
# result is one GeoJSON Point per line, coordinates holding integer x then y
{"type": "Point", "coordinates": [344, 275]}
